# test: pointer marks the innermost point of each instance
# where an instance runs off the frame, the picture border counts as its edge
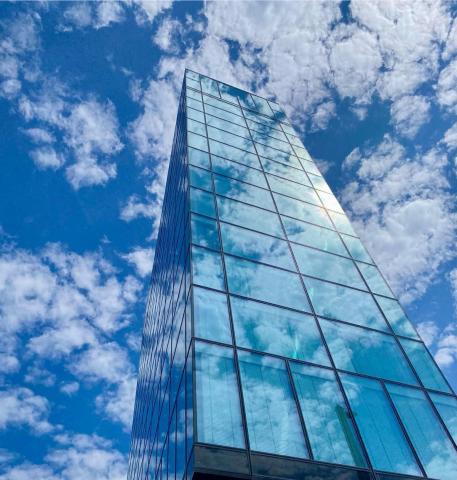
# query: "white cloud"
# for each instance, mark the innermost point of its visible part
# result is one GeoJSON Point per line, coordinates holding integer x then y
{"type": "Point", "coordinates": [69, 388]}
{"type": "Point", "coordinates": [39, 135]}
{"type": "Point", "coordinates": [108, 13]}
{"type": "Point", "coordinates": [38, 375]}
{"type": "Point", "coordinates": [20, 407]}
{"type": "Point", "coordinates": [47, 157]}
{"type": "Point", "coordinates": [146, 11]}
{"type": "Point", "coordinates": [165, 37]}
{"type": "Point", "coordinates": [135, 208]}
{"type": "Point", "coordinates": [446, 89]}
{"type": "Point", "coordinates": [97, 15]}
{"type": "Point", "coordinates": [141, 259]}
{"type": "Point", "coordinates": [428, 331]}
{"type": "Point", "coordinates": [450, 137]}
{"type": "Point", "coordinates": [403, 211]}
{"type": "Point", "coordinates": [409, 113]}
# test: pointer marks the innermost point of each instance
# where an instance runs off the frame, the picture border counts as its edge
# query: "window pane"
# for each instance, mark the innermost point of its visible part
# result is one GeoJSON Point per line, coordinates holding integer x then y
{"type": "Point", "coordinates": [383, 438]}
{"type": "Point", "coordinates": [374, 279]}
{"type": "Point", "coordinates": [345, 304]}
{"type": "Point", "coordinates": [204, 232]}
{"type": "Point", "coordinates": [207, 268]}
{"type": "Point", "coordinates": [196, 127]}
{"type": "Point", "coordinates": [256, 246]}
{"type": "Point", "coordinates": [200, 178]}
{"type": "Point", "coordinates": [270, 140]}
{"type": "Point", "coordinates": [262, 105]}
{"type": "Point", "coordinates": [193, 94]}
{"type": "Point", "coordinates": [276, 330]}
{"type": "Point", "coordinates": [327, 266]}
{"type": "Point", "coordinates": [293, 189]}
{"type": "Point", "coordinates": [230, 139]}
{"type": "Point", "coordinates": [288, 129]}
{"type": "Point", "coordinates": [428, 437]}
{"type": "Point", "coordinates": [193, 84]}
{"type": "Point", "coordinates": [211, 320]}
{"type": "Point", "coordinates": [310, 167]}
{"type": "Point", "coordinates": [313, 236]}
{"type": "Point", "coordinates": [202, 202]}
{"type": "Point", "coordinates": [330, 201]}
{"type": "Point", "coordinates": [247, 216]}
{"type": "Point", "coordinates": [284, 171]}
{"type": "Point", "coordinates": [329, 425]}
{"type": "Point", "coordinates": [220, 104]}
{"type": "Point", "coordinates": [428, 372]}
{"type": "Point", "coordinates": [190, 102]}
{"type": "Point", "coordinates": [302, 211]}
{"type": "Point", "coordinates": [265, 283]}
{"type": "Point", "coordinates": [232, 153]}
{"type": "Point", "coordinates": [366, 351]}
{"type": "Point", "coordinates": [277, 155]}
{"type": "Point", "coordinates": [243, 192]}
{"type": "Point", "coordinates": [227, 126]}
{"type": "Point", "coordinates": [319, 182]}
{"type": "Point", "coordinates": [301, 151]}
{"type": "Point", "coordinates": [197, 141]}
{"type": "Point", "coordinates": [209, 86]}
{"type": "Point", "coordinates": [225, 115]}
{"type": "Point", "coordinates": [342, 223]}
{"type": "Point", "coordinates": [396, 317]}
{"type": "Point", "coordinates": [199, 158]}
{"type": "Point", "coordinates": [266, 130]}
{"type": "Point", "coordinates": [271, 412]}
{"type": "Point", "coordinates": [240, 172]}
{"type": "Point", "coordinates": [447, 408]}
{"type": "Point", "coordinates": [195, 115]}
{"type": "Point", "coordinates": [356, 249]}
{"type": "Point", "coordinates": [218, 403]}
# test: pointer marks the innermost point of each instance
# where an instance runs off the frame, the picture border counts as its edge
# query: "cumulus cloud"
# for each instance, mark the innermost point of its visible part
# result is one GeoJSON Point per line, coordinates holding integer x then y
{"type": "Point", "coordinates": [141, 259]}
{"type": "Point", "coordinates": [446, 87]}
{"type": "Point", "coordinates": [96, 15]}
{"type": "Point", "coordinates": [409, 113]}
{"type": "Point", "coordinates": [450, 137]}
{"type": "Point", "coordinates": [47, 157]}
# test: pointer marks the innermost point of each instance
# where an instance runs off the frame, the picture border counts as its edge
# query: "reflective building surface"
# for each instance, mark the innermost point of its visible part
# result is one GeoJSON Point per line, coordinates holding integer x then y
{"type": "Point", "coordinates": [272, 345]}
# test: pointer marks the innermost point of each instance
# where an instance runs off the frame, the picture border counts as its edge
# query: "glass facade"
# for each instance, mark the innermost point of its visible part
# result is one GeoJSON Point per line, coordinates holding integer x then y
{"type": "Point", "coordinates": [272, 344]}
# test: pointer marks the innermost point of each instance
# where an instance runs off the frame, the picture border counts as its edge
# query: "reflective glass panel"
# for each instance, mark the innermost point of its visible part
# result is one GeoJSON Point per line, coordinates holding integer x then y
{"type": "Point", "coordinates": [197, 141]}
{"type": "Point", "coordinates": [284, 171]}
{"type": "Point", "coordinates": [196, 127]}
{"type": "Point", "coordinates": [275, 330]}
{"type": "Point", "coordinates": [271, 412]}
{"type": "Point", "coordinates": [330, 201]}
{"type": "Point", "coordinates": [342, 303]}
{"type": "Point", "coordinates": [342, 223]}
{"type": "Point", "coordinates": [264, 283]}
{"type": "Point", "coordinates": [225, 115]}
{"type": "Point", "coordinates": [302, 211]}
{"type": "Point", "coordinates": [240, 172]}
{"type": "Point", "coordinates": [209, 86]}
{"type": "Point", "coordinates": [271, 140]}
{"type": "Point", "coordinates": [447, 408]}
{"type": "Point", "coordinates": [295, 140]}
{"type": "Point", "coordinates": [427, 370]}
{"type": "Point", "coordinates": [227, 126]}
{"type": "Point", "coordinates": [310, 167]}
{"type": "Point", "coordinates": [303, 153]}
{"type": "Point", "coordinates": [243, 192]}
{"type": "Point", "coordinates": [266, 130]}
{"type": "Point", "coordinates": [277, 155]}
{"type": "Point", "coordinates": [195, 114]}
{"type": "Point", "coordinates": [232, 153]}
{"type": "Point", "coordinates": [261, 119]}
{"type": "Point", "coordinates": [251, 217]}
{"type": "Point", "coordinates": [396, 317]}
{"type": "Point", "coordinates": [202, 202]}
{"type": "Point", "coordinates": [262, 105]}
{"type": "Point", "coordinates": [190, 102]}
{"type": "Point", "coordinates": [230, 139]}
{"type": "Point", "coordinates": [374, 279]}
{"type": "Point", "coordinates": [192, 84]}
{"type": "Point", "coordinates": [382, 435]}
{"type": "Point", "coordinates": [198, 158]}
{"type": "Point", "coordinates": [327, 420]}
{"type": "Point", "coordinates": [366, 351]}
{"type": "Point", "coordinates": [255, 246]}
{"type": "Point", "coordinates": [200, 178]}
{"type": "Point", "coordinates": [218, 403]}
{"type": "Point", "coordinates": [292, 189]}
{"type": "Point", "coordinates": [327, 266]}
{"type": "Point", "coordinates": [313, 236]}
{"type": "Point", "coordinates": [220, 104]}
{"type": "Point", "coordinates": [211, 320]}
{"type": "Point", "coordinates": [204, 232]}
{"type": "Point", "coordinates": [192, 75]}
{"type": "Point", "coordinates": [288, 129]}
{"type": "Point", "coordinates": [207, 268]}
{"type": "Point", "coordinates": [193, 94]}
{"type": "Point", "coordinates": [433, 447]}
{"type": "Point", "coordinates": [356, 249]}
{"type": "Point", "coordinates": [272, 145]}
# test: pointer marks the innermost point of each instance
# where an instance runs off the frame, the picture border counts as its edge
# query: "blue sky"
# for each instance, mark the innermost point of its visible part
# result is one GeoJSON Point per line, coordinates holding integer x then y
{"type": "Point", "coordinates": [88, 99]}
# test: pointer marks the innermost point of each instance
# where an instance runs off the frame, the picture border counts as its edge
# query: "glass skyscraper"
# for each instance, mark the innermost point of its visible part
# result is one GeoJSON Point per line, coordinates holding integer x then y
{"type": "Point", "coordinates": [272, 345]}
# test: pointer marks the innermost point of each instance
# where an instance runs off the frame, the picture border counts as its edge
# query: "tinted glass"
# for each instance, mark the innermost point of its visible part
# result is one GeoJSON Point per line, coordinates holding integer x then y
{"type": "Point", "coordinates": [240, 172]}
{"type": "Point", "coordinates": [200, 178]}
{"type": "Point", "coordinates": [202, 202]}
{"type": "Point", "coordinates": [342, 224]}
{"type": "Point", "coordinates": [302, 211]}
{"type": "Point", "coordinates": [328, 423]}
{"type": "Point", "coordinates": [192, 83]}
{"type": "Point", "coordinates": [220, 104]}
{"type": "Point", "coordinates": [427, 370]}
{"type": "Point", "coordinates": [197, 141]}
{"type": "Point", "coordinates": [255, 246]}
{"type": "Point", "coordinates": [265, 283]}
{"type": "Point", "coordinates": [435, 450]}
{"type": "Point", "coordinates": [447, 408]}
{"type": "Point", "coordinates": [196, 127]}
{"type": "Point", "coordinates": [199, 158]}
{"type": "Point", "coordinates": [277, 155]}
{"type": "Point", "coordinates": [356, 249]}
{"type": "Point", "coordinates": [345, 304]}
{"type": "Point", "coordinates": [293, 189]}
{"type": "Point", "coordinates": [313, 236]}
{"type": "Point", "coordinates": [195, 115]}
{"type": "Point", "coordinates": [310, 167]}
{"type": "Point", "coordinates": [330, 202]}
{"type": "Point", "coordinates": [271, 412]}
{"type": "Point", "coordinates": [284, 171]}
{"type": "Point", "coordinates": [275, 330]}
{"type": "Point", "coordinates": [209, 86]}
{"type": "Point", "coordinates": [271, 140]}
{"type": "Point", "coordinates": [318, 182]}
{"type": "Point", "coordinates": [374, 279]}
{"type": "Point", "coordinates": [204, 232]}
{"type": "Point", "coordinates": [232, 153]}
{"type": "Point", "coordinates": [383, 438]}
{"type": "Point", "coordinates": [218, 403]}
{"type": "Point", "coordinates": [195, 104]}
{"type": "Point", "coordinates": [207, 268]}
{"type": "Point", "coordinates": [227, 126]}
{"type": "Point", "coordinates": [366, 351]}
{"type": "Point", "coordinates": [231, 139]}
{"type": "Point", "coordinates": [396, 317]}
{"type": "Point", "coordinates": [225, 115]}
{"type": "Point", "coordinates": [243, 192]}
{"type": "Point", "coordinates": [263, 129]}
{"type": "Point", "coordinates": [327, 266]}
{"type": "Point", "coordinates": [247, 216]}
{"type": "Point", "coordinates": [211, 320]}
